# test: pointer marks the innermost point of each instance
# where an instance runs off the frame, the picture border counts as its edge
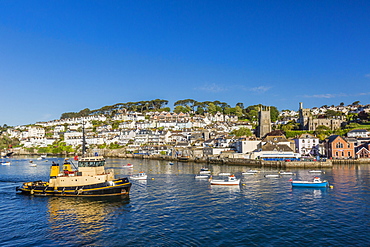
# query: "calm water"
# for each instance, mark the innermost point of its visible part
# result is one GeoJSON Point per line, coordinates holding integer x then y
{"type": "Point", "coordinates": [174, 209]}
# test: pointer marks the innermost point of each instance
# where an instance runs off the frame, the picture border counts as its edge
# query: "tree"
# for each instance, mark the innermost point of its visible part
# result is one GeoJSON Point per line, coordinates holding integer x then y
{"type": "Point", "coordinates": [322, 132]}
{"type": "Point", "coordinates": [241, 132]}
{"type": "Point", "coordinates": [332, 113]}
{"type": "Point", "coordinates": [212, 108]}
{"type": "Point", "coordinates": [167, 109]}
{"type": "Point", "coordinates": [251, 112]}
{"type": "Point", "coordinates": [241, 105]}
{"type": "Point", "coordinates": [202, 107]}
{"type": "Point", "coordinates": [182, 109]}
{"type": "Point", "coordinates": [363, 115]}
{"type": "Point", "coordinates": [238, 111]}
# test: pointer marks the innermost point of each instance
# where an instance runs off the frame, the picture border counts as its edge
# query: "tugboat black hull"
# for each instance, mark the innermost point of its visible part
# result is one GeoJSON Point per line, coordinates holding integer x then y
{"type": "Point", "coordinates": [117, 187]}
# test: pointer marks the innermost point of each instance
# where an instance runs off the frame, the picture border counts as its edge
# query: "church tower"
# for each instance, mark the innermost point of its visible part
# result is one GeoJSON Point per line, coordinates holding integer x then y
{"type": "Point", "coordinates": [304, 117]}
{"type": "Point", "coordinates": [264, 121]}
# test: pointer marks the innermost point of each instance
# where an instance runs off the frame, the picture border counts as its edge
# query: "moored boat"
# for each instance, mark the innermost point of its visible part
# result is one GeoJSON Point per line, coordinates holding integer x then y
{"type": "Point", "coordinates": [202, 176]}
{"type": "Point", "coordinates": [5, 163]}
{"type": "Point", "coordinates": [272, 176]}
{"type": "Point", "coordinates": [42, 157]}
{"type": "Point", "coordinates": [315, 171]}
{"type": "Point", "coordinates": [231, 180]}
{"type": "Point", "coordinates": [90, 178]}
{"type": "Point", "coordinates": [128, 165]}
{"type": "Point", "coordinates": [224, 174]}
{"type": "Point", "coordinates": [204, 170]}
{"type": "Point", "coordinates": [315, 183]}
{"type": "Point", "coordinates": [139, 176]}
{"type": "Point", "coordinates": [286, 173]}
{"type": "Point", "coordinates": [250, 172]}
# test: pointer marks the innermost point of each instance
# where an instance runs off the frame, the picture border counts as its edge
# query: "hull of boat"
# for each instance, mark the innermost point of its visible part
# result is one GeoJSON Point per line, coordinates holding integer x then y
{"type": "Point", "coordinates": [221, 182]}
{"type": "Point", "coordinates": [139, 178]}
{"type": "Point", "coordinates": [310, 184]}
{"type": "Point", "coordinates": [286, 173]}
{"type": "Point", "coordinates": [115, 187]}
{"type": "Point", "coordinates": [272, 176]}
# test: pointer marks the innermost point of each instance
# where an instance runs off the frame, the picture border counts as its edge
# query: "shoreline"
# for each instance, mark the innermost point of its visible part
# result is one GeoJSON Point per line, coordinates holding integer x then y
{"type": "Point", "coordinates": [329, 163]}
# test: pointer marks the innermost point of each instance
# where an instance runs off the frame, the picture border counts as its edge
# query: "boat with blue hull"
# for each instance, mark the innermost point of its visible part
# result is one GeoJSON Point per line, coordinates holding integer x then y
{"type": "Point", "coordinates": [88, 180]}
{"type": "Point", "coordinates": [315, 183]}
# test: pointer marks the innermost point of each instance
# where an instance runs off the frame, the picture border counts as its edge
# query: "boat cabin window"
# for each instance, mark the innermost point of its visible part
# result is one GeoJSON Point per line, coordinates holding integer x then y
{"type": "Point", "coordinates": [90, 163]}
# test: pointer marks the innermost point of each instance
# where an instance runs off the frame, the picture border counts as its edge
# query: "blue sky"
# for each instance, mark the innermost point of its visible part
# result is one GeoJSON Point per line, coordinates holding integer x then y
{"type": "Point", "coordinates": [64, 56]}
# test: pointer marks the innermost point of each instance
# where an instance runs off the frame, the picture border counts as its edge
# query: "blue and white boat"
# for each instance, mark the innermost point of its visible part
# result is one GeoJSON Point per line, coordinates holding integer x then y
{"type": "Point", "coordinates": [315, 183]}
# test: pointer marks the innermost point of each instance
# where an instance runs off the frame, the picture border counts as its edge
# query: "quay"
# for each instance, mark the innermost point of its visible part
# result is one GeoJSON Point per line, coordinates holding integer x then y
{"type": "Point", "coordinates": [229, 161]}
{"type": "Point", "coordinates": [328, 163]}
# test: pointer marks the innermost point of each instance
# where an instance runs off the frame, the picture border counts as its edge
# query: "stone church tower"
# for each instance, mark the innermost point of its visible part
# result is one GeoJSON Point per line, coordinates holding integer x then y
{"type": "Point", "coordinates": [264, 121]}
{"type": "Point", "coordinates": [304, 117]}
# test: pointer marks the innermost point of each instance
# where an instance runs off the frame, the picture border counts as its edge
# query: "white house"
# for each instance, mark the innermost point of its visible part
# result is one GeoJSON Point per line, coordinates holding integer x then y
{"type": "Point", "coordinates": [35, 131]}
{"type": "Point", "coordinates": [358, 133]}
{"type": "Point", "coordinates": [246, 146]}
{"type": "Point", "coordinates": [307, 144]}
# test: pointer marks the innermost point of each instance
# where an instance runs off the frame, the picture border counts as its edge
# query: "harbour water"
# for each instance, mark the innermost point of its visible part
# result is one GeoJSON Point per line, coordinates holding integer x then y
{"type": "Point", "coordinates": [172, 208]}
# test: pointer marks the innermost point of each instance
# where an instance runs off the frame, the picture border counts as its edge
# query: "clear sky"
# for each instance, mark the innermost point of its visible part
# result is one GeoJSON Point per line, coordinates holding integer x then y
{"type": "Point", "coordinates": [65, 56]}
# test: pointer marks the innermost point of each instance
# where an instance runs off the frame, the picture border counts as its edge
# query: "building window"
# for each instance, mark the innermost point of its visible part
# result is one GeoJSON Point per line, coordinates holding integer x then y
{"type": "Point", "coordinates": [339, 145]}
{"type": "Point", "coordinates": [336, 154]}
{"type": "Point", "coordinates": [349, 154]}
{"type": "Point", "coordinates": [342, 154]}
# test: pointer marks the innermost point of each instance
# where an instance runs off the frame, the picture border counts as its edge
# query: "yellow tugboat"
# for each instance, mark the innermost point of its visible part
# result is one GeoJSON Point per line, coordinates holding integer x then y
{"type": "Point", "coordinates": [89, 179]}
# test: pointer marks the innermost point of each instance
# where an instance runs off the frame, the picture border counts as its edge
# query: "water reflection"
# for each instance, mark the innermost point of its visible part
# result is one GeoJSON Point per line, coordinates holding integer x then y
{"type": "Point", "coordinates": [83, 217]}
{"type": "Point", "coordinates": [307, 193]}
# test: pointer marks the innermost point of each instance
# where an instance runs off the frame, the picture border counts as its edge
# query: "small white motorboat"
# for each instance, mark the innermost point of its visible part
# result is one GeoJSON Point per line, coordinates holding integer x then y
{"type": "Point", "coordinates": [224, 174]}
{"type": "Point", "coordinates": [272, 175]}
{"type": "Point", "coordinates": [32, 164]}
{"type": "Point", "coordinates": [315, 171]}
{"type": "Point", "coordinates": [231, 180]}
{"type": "Point", "coordinates": [42, 157]}
{"type": "Point", "coordinates": [286, 173]}
{"type": "Point", "coordinates": [250, 172]}
{"type": "Point", "coordinates": [202, 176]}
{"type": "Point", "coordinates": [139, 176]}
{"type": "Point", "coordinates": [5, 163]}
{"type": "Point", "coordinates": [128, 166]}
{"type": "Point", "coordinates": [205, 171]}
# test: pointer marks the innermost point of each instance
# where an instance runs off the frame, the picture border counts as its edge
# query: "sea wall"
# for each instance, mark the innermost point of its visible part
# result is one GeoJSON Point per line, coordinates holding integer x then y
{"type": "Point", "coordinates": [120, 153]}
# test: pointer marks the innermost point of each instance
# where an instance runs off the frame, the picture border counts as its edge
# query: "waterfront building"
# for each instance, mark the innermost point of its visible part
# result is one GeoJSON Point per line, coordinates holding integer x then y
{"type": "Point", "coordinates": [271, 151]}
{"type": "Point", "coordinates": [307, 145]}
{"type": "Point", "coordinates": [338, 147]}
{"type": "Point", "coordinates": [244, 145]}
{"type": "Point", "coordinates": [363, 151]}
{"type": "Point", "coordinates": [277, 137]}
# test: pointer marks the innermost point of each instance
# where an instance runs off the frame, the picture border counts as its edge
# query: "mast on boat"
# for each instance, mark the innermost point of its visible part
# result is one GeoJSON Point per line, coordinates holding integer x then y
{"type": "Point", "coordinates": [83, 140]}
